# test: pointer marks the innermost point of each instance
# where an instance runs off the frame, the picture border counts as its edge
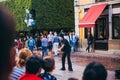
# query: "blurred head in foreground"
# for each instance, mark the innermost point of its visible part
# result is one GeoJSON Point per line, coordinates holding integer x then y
{"type": "Point", "coordinates": [7, 50]}
{"type": "Point", "coordinates": [95, 71]}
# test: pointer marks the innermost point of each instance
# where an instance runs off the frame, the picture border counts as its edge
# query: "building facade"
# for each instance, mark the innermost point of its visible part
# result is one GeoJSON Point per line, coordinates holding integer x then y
{"type": "Point", "coordinates": [106, 26]}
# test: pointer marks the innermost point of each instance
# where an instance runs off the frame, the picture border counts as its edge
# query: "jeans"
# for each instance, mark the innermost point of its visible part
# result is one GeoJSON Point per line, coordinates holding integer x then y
{"type": "Point", "coordinates": [44, 50]}
{"type": "Point", "coordinates": [74, 46]}
{"type": "Point", "coordinates": [88, 47]}
{"type": "Point", "coordinates": [31, 48]}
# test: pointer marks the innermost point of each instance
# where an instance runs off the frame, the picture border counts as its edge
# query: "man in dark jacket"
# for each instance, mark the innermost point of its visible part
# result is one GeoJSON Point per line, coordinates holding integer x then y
{"type": "Point", "coordinates": [65, 47]}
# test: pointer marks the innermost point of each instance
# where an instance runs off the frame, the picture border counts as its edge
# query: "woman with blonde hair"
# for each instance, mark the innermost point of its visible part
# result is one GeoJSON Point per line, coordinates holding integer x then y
{"type": "Point", "coordinates": [19, 69]}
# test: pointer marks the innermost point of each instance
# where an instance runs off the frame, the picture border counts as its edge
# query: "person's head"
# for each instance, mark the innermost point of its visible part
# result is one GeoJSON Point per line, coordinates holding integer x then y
{"type": "Point", "coordinates": [48, 63]}
{"type": "Point", "coordinates": [20, 39]}
{"type": "Point", "coordinates": [70, 33]}
{"type": "Point", "coordinates": [44, 36]}
{"type": "Point", "coordinates": [55, 33]}
{"type": "Point", "coordinates": [61, 30]}
{"type": "Point", "coordinates": [50, 32]}
{"type": "Point", "coordinates": [34, 64]}
{"type": "Point", "coordinates": [23, 54]}
{"type": "Point", "coordinates": [38, 38]}
{"type": "Point", "coordinates": [95, 71]}
{"type": "Point", "coordinates": [61, 37]}
{"type": "Point", "coordinates": [30, 37]}
{"type": "Point", "coordinates": [24, 38]}
{"type": "Point", "coordinates": [27, 37]}
{"type": "Point", "coordinates": [73, 33]}
{"type": "Point", "coordinates": [7, 36]}
{"type": "Point", "coordinates": [89, 33]}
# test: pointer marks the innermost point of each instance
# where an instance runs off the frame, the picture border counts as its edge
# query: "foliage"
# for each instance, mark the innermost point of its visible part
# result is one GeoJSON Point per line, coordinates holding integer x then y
{"type": "Point", "coordinates": [18, 9]}
{"type": "Point", "coordinates": [50, 14]}
{"type": "Point", "coordinates": [54, 14]}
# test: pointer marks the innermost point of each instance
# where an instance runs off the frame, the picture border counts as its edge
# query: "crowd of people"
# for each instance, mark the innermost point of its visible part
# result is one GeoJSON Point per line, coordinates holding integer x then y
{"type": "Point", "coordinates": [28, 66]}
{"type": "Point", "coordinates": [47, 43]}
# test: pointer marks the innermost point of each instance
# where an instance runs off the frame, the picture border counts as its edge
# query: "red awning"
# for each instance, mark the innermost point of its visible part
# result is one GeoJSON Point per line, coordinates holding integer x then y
{"type": "Point", "coordinates": [91, 16]}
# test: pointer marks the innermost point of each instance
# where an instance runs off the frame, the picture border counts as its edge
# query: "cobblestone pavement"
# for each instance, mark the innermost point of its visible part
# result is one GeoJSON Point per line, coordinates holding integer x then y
{"type": "Point", "coordinates": [77, 73]}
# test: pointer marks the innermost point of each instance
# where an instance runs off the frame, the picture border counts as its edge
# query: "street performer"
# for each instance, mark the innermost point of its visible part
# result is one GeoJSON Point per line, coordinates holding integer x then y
{"type": "Point", "coordinates": [65, 47]}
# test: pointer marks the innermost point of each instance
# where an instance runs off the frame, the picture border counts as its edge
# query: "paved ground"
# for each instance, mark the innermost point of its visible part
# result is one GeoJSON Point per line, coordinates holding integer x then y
{"type": "Point", "coordinates": [81, 59]}
{"type": "Point", "coordinates": [110, 61]}
{"type": "Point", "coordinates": [77, 73]}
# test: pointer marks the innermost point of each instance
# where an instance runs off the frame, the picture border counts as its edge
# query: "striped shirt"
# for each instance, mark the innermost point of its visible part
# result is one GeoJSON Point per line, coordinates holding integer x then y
{"type": "Point", "coordinates": [17, 72]}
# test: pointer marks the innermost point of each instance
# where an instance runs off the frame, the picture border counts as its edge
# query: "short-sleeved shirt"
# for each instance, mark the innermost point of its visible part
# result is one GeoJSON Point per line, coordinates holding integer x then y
{"type": "Point", "coordinates": [31, 42]}
{"type": "Point", "coordinates": [47, 76]}
{"type": "Point", "coordinates": [66, 45]}
{"type": "Point", "coordinates": [56, 39]}
{"type": "Point", "coordinates": [44, 42]}
{"type": "Point", "coordinates": [50, 37]}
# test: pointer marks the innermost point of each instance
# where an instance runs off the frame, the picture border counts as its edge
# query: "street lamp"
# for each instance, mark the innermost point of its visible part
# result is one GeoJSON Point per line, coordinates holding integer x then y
{"type": "Point", "coordinates": [29, 18]}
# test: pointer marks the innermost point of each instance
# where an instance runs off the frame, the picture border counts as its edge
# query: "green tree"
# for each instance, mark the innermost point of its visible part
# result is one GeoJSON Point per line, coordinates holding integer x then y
{"type": "Point", "coordinates": [54, 14]}
{"type": "Point", "coordinates": [50, 14]}
{"type": "Point", "coordinates": [18, 9]}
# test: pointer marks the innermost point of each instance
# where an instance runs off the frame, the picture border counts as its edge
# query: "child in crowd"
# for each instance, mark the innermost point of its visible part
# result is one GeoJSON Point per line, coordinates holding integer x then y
{"type": "Point", "coordinates": [33, 68]}
{"type": "Point", "coordinates": [19, 69]}
{"type": "Point", "coordinates": [48, 66]}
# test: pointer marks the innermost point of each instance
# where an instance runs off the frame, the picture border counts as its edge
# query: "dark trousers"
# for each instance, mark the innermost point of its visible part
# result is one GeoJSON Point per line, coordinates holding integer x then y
{"type": "Point", "coordinates": [66, 53]}
{"type": "Point", "coordinates": [44, 50]}
{"type": "Point", "coordinates": [88, 47]}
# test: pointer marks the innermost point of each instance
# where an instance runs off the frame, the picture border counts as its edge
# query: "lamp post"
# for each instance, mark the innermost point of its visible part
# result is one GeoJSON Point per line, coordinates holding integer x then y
{"type": "Point", "coordinates": [27, 16]}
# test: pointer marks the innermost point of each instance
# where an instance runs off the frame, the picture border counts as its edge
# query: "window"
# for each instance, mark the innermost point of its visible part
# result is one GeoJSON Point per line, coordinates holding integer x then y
{"type": "Point", "coordinates": [116, 26]}
{"type": "Point", "coordinates": [100, 29]}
